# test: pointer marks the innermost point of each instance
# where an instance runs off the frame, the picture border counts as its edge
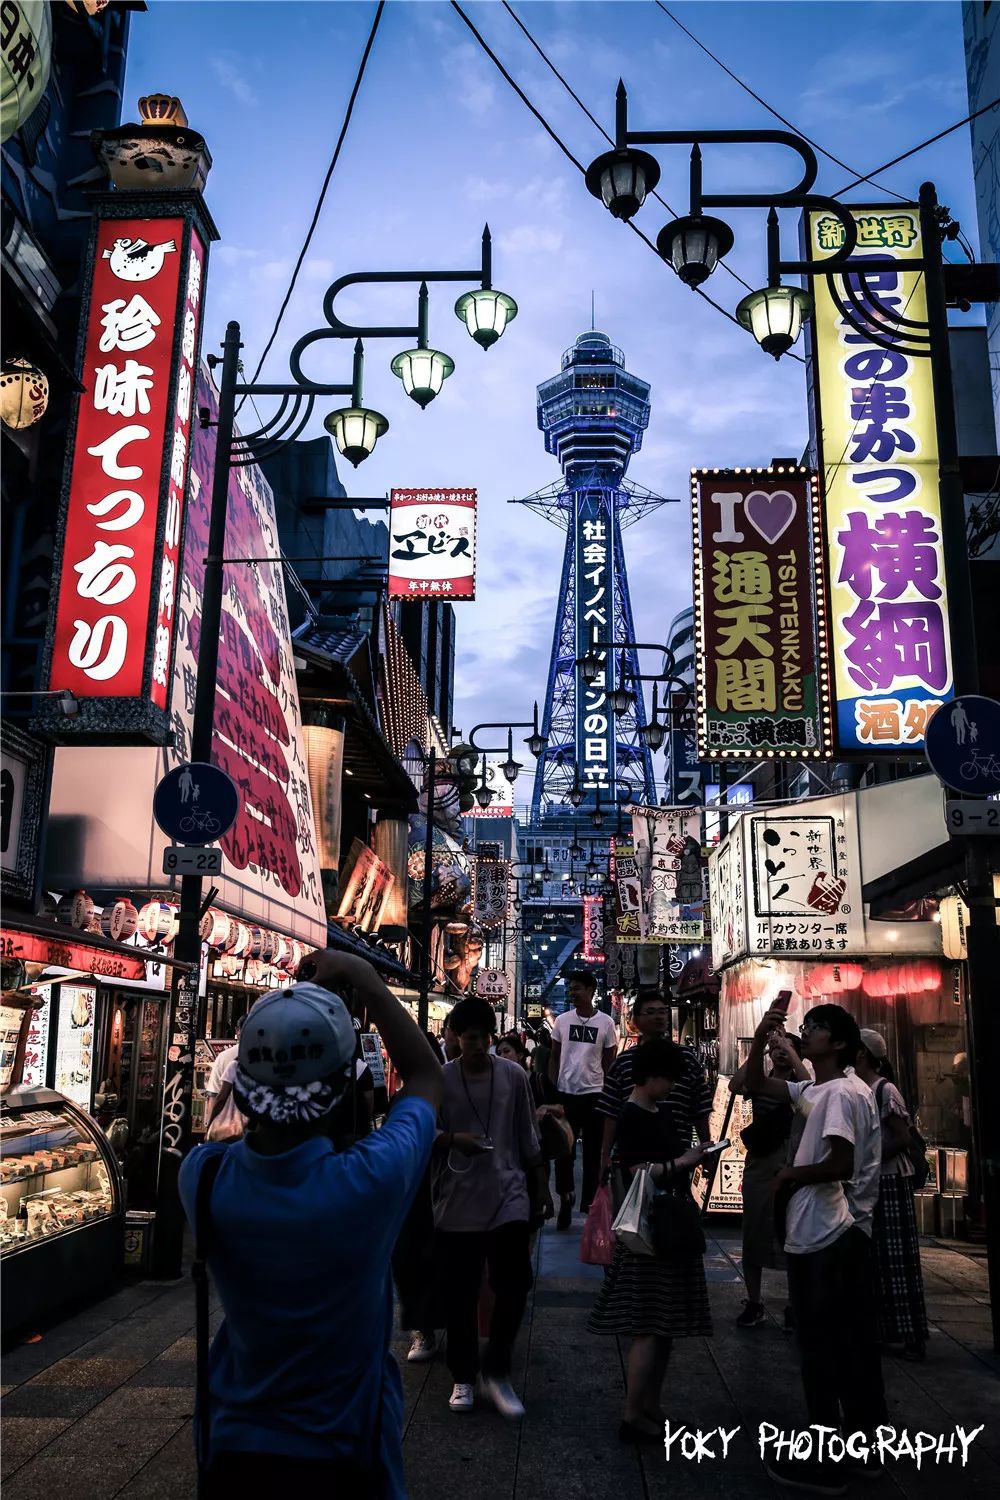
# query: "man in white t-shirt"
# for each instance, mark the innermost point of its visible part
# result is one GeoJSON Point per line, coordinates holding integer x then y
{"type": "Point", "coordinates": [833, 1182]}
{"type": "Point", "coordinates": [584, 1045]}
{"type": "Point", "coordinates": [216, 1079]}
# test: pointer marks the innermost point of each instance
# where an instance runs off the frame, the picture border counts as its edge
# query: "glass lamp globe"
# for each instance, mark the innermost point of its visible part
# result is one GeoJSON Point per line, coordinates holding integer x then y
{"type": "Point", "coordinates": [576, 794]}
{"type": "Point", "coordinates": [510, 768]}
{"type": "Point", "coordinates": [775, 316]}
{"type": "Point", "coordinates": [423, 373]}
{"type": "Point", "coordinates": [653, 734]}
{"type": "Point", "coordinates": [622, 179]}
{"type": "Point", "coordinates": [356, 430]}
{"type": "Point", "coordinates": [590, 667]}
{"type": "Point", "coordinates": [694, 246]}
{"type": "Point", "coordinates": [621, 699]}
{"type": "Point", "coordinates": [484, 796]}
{"type": "Point", "coordinates": [486, 314]}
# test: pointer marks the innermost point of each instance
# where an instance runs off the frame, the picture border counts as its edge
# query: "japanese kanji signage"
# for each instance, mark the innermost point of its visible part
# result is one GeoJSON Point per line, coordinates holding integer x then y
{"type": "Point", "coordinates": [367, 884]}
{"type": "Point", "coordinates": [788, 882]}
{"type": "Point", "coordinates": [432, 544]}
{"type": "Point", "coordinates": [594, 584]}
{"type": "Point", "coordinates": [877, 444]}
{"type": "Point", "coordinates": [759, 600]}
{"type": "Point", "coordinates": [593, 929]}
{"type": "Point", "coordinates": [501, 803]}
{"type": "Point", "coordinates": [115, 612]}
{"type": "Point", "coordinates": [492, 984]}
{"type": "Point", "coordinates": [667, 844]}
{"type": "Point", "coordinates": [626, 886]}
{"type": "Point", "coordinates": [490, 892]}
{"type": "Point", "coordinates": [25, 60]}
{"type": "Point", "coordinates": [684, 766]}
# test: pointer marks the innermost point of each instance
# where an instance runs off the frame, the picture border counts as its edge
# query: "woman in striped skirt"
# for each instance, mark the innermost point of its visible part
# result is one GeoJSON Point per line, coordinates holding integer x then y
{"type": "Point", "coordinates": [653, 1299]}
{"type": "Point", "coordinates": [902, 1313]}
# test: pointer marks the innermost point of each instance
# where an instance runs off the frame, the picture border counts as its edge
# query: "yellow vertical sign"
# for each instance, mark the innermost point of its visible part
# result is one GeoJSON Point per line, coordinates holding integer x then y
{"type": "Point", "coordinates": [877, 440]}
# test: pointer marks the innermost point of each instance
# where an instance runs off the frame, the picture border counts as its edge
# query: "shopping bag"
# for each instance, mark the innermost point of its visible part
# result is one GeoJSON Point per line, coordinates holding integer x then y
{"type": "Point", "coordinates": [631, 1226]}
{"type": "Point", "coordinates": [597, 1243]}
{"type": "Point", "coordinates": [228, 1125]}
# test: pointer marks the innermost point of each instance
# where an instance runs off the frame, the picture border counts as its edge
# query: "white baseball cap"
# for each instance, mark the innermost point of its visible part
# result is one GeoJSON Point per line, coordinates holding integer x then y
{"type": "Point", "coordinates": [296, 1036]}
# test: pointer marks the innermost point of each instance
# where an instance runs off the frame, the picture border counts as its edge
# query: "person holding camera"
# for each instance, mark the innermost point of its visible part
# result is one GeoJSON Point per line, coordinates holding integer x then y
{"type": "Point", "coordinates": [654, 1297]}
{"type": "Point", "coordinates": [489, 1191]}
{"type": "Point", "coordinates": [298, 1239]}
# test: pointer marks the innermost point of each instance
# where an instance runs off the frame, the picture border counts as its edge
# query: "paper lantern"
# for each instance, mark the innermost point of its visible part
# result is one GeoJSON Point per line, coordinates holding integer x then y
{"type": "Point", "coordinates": [295, 957]}
{"type": "Point", "coordinates": [282, 951]}
{"type": "Point", "coordinates": [158, 921]}
{"type": "Point", "coordinates": [267, 947]}
{"type": "Point", "coordinates": [238, 939]}
{"type": "Point", "coordinates": [120, 920]}
{"type": "Point", "coordinates": [954, 923]}
{"type": "Point", "coordinates": [24, 394]}
{"type": "Point", "coordinates": [848, 977]}
{"type": "Point", "coordinates": [214, 928]}
{"type": "Point", "coordinates": [25, 61]}
{"type": "Point", "coordinates": [256, 944]}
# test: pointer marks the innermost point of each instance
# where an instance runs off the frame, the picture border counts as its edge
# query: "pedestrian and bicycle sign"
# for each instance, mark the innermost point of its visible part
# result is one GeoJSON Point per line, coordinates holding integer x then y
{"type": "Point", "coordinates": [196, 803]}
{"type": "Point", "coordinates": [962, 743]}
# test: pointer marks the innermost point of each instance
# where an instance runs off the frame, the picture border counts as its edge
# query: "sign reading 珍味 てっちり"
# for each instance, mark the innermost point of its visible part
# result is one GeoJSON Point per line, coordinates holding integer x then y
{"type": "Point", "coordinates": [432, 544]}
{"type": "Point", "coordinates": [759, 595]}
{"type": "Point", "coordinates": [115, 606]}
{"type": "Point", "coordinates": [877, 446]}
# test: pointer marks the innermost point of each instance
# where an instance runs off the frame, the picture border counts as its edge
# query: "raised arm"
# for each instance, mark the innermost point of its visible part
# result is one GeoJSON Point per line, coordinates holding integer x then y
{"type": "Point", "coordinates": [409, 1051]}
{"type": "Point", "coordinates": [755, 1081]}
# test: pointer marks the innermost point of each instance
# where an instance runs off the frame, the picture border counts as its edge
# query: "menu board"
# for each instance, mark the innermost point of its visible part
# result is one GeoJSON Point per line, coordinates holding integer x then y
{"type": "Point", "coordinates": [10, 1030]}
{"type": "Point", "coordinates": [37, 1045]}
{"type": "Point", "coordinates": [721, 1177]}
{"type": "Point", "coordinates": [75, 1044]}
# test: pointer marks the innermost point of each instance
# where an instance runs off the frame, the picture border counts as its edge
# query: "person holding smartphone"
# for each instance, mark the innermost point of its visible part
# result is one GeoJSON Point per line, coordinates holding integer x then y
{"type": "Point", "coordinates": [654, 1299]}
{"type": "Point", "coordinates": [488, 1189]}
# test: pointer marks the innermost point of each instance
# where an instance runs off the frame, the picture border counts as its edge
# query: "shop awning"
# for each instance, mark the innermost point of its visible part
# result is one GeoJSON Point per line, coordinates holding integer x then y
{"type": "Point", "coordinates": [335, 656]}
{"type": "Point", "coordinates": [905, 849]}
{"type": "Point", "coordinates": [36, 942]}
{"type": "Point", "coordinates": [698, 979]}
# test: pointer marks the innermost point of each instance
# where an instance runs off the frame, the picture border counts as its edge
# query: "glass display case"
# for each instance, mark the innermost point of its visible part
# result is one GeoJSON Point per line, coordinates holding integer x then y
{"type": "Point", "coordinates": [61, 1206]}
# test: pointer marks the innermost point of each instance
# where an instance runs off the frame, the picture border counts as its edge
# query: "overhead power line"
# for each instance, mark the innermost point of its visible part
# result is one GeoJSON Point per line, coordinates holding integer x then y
{"type": "Point", "coordinates": [922, 146]}
{"type": "Point", "coordinates": [770, 108]}
{"type": "Point", "coordinates": [322, 194]}
{"type": "Point", "coordinates": [570, 157]}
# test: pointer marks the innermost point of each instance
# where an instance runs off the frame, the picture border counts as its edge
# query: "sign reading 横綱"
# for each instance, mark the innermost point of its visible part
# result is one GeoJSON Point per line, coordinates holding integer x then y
{"type": "Point", "coordinates": [594, 595]}
{"type": "Point", "coordinates": [877, 445]}
{"type": "Point", "coordinates": [788, 882]}
{"type": "Point", "coordinates": [114, 610]}
{"type": "Point", "coordinates": [759, 600]}
{"type": "Point", "coordinates": [432, 544]}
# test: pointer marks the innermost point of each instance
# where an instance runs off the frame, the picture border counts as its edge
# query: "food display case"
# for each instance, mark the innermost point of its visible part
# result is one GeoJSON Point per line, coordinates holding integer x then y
{"type": "Point", "coordinates": [61, 1207]}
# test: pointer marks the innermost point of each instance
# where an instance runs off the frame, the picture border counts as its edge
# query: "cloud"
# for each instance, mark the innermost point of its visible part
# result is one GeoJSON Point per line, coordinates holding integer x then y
{"type": "Point", "coordinates": [530, 239]}
{"type": "Point", "coordinates": [472, 86]}
{"type": "Point", "coordinates": [227, 71]}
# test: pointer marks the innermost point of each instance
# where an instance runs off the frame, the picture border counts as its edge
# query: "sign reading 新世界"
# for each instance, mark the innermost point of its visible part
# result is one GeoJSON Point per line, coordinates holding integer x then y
{"type": "Point", "coordinates": [594, 596]}
{"type": "Point", "coordinates": [114, 625]}
{"type": "Point", "coordinates": [877, 447]}
{"type": "Point", "coordinates": [759, 599]}
{"type": "Point", "coordinates": [432, 544]}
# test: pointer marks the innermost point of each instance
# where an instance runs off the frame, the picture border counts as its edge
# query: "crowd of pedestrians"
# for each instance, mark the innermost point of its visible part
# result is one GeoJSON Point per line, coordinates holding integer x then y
{"type": "Point", "coordinates": [311, 1214]}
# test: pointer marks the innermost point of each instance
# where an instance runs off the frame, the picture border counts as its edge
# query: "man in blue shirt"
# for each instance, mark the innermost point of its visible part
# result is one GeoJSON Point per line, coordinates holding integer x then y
{"type": "Point", "coordinates": [301, 1379]}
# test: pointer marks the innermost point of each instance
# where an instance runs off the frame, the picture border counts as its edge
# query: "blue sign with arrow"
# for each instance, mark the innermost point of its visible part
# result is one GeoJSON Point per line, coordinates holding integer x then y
{"type": "Point", "coordinates": [196, 803]}
{"type": "Point", "coordinates": [962, 742]}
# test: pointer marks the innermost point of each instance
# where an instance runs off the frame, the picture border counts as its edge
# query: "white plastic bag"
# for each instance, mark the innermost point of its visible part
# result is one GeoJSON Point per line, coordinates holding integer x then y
{"type": "Point", "coordinates": [228, 1124]}
{"type": "Point", "coordinates": [631, 1225]}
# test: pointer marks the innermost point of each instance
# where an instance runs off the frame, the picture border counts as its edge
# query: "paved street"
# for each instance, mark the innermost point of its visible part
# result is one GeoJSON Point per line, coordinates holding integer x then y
{"type": "Point", "coordinates": [111, 1391]}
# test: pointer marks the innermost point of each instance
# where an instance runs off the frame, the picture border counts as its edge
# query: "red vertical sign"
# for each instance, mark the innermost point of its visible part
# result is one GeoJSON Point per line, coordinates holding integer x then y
{"type": "Point", "coordinates": [118, 580]}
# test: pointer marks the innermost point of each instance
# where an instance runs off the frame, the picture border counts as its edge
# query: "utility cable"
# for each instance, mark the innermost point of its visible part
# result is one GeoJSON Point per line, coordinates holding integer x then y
{"type": "Point", "coordinates": [322, 195]}
{"type": "Point", "coordinates": [610, 140]}
{"type": "Point", "coordinates": [922, 147]}
{"type": "Point", "coordinates": [770, 108]}
{"type": "Point", "coordinates": [578, 164]}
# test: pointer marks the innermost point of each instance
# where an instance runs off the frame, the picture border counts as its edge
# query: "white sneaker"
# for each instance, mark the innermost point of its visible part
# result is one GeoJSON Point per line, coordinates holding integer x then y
{"type": "Point", "coordinates": [422, 1349]}
{"type": "Point", "coordinates": [501, 1393]}
{"type": "Point", "coordinates": [461, 1398]}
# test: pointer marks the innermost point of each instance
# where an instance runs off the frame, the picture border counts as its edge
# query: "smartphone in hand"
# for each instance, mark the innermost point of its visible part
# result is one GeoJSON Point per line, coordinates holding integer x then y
{"type": "Point", "coordinates": [782, 1001]}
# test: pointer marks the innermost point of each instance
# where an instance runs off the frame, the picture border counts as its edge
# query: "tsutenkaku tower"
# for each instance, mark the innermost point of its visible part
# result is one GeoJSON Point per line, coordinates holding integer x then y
{"type": "Point", "coordinates": [593, 414]}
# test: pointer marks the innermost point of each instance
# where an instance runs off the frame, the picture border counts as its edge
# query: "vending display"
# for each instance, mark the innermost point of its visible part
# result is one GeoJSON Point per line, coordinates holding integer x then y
{"type": "Point", "coordinates": [61, 1206]}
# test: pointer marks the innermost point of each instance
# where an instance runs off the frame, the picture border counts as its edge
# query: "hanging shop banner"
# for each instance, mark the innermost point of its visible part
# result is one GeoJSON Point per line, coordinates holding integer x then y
{"type": "Point", "coordinates": [761, 662]}
{"type": "Point", "coordinates": [594, 602]}
{"type": "Point", "coordinates": [626, 884]}
{"type": "Point", "coordinates": [667, 843]}
{"type": "Point", "coordinates": [432, 544]}
{"type": "Point", "coordinates": [367, 886]}
{"type": "Point", "coordinates": [788, 881]}
{"type": "Point", "coordinates": [876, 438]}
{"type": "Point", "coordinates": [501, 793]}
{"type": "Point", "coordinates": [593, 929]}
{"type": "Point", "coordinates": [490, 892]}
{"type": "Point", "coordinates": [69, 953]}
{"type": "Point", "coordinates": [25, 60]}
{"type": "Point", "coordinates": [106, 840]}
{"type": "Point", "coordinates": [119, 563]}
{"type": "Point", "coordinates": [492, 984]}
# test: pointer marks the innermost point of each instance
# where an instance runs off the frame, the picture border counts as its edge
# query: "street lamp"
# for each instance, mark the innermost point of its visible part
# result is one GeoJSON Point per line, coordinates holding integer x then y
{"type": "Point", "coordinates": [510, 767]}
{"type": "Point", "coordinates": [422, 370]}
{"type": "Point", "coordinates": [535, 741]}
{"type": "Point", "coordinates": [694, 245]}
{"type": "Point", "coordinates": [576, 795]}
{"type": "Point", "coordinates": [653, 733]}
{"type": "Point", "coordinates": [622, 697]}
{"type": "Point", "coordinates": [590, 667]}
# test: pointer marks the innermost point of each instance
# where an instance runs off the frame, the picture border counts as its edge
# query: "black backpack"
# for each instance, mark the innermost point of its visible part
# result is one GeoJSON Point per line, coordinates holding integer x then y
{"type": "Point", "coordinates": [916, 1150]}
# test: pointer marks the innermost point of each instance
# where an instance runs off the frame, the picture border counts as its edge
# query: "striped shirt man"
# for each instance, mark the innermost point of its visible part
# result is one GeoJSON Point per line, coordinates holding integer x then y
{"type": "Point", "coordinates": [689, 1101]}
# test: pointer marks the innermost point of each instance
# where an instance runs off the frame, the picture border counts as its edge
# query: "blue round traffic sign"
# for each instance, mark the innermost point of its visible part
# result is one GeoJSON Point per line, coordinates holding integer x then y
{"type": "Point", "coordinates": [196, 803]}
{"type": "Point", "coordinates": [962, 742]}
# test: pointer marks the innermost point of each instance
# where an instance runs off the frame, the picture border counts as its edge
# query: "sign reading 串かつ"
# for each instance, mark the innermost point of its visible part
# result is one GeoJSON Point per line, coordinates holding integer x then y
{"type": "Point", "coordinates": [432, 544]}
{"type": "Point", "coordinates": [877, 446]}
{"type": "Point", "coordinates": [759, 596]}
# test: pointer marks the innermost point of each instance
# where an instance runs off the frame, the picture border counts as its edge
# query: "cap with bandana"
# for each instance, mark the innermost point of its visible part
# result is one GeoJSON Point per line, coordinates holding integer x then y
{"type": "Point", "coordinates": [295, 1054]}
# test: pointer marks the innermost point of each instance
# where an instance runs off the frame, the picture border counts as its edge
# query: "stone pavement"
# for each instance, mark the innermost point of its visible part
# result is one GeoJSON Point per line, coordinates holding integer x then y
{"type": "Point", "coordinates": [102, 1403]}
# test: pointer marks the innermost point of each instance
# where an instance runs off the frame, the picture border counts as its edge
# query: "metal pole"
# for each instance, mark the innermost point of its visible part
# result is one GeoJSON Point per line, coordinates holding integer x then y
{"type": "Point", "coordinates": [175, 1125]}
{"type": "Point", "coordinates": [425, 905]}
{"type": "Point", "coordinates": [984, 1046]}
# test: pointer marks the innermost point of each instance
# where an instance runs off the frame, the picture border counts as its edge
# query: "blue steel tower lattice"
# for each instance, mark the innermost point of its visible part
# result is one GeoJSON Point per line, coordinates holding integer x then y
{"type": "Point", "coordinates": [593, 414]}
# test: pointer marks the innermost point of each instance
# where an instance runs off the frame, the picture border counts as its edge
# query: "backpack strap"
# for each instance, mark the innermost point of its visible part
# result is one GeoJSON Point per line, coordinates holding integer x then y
{"type": "Point", "coordinates": [199, 1275]}
{"type": "Point", "coordinates": [879, 1091]}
